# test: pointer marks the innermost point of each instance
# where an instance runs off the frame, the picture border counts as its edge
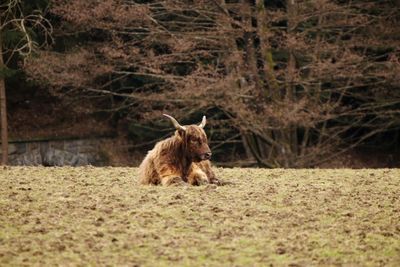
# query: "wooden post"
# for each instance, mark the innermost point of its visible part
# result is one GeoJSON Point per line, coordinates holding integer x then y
{"type": "Point", "coordinates": [3, 111]}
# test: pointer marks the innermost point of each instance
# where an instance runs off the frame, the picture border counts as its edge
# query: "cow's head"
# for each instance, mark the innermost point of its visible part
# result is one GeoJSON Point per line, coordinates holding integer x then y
{"type": "Point", "coordinates": [194, 138]}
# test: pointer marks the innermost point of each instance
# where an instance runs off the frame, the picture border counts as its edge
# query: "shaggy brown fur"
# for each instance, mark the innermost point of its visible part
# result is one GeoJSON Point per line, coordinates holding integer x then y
{"type": "Point", "coordinates": [182, 158]}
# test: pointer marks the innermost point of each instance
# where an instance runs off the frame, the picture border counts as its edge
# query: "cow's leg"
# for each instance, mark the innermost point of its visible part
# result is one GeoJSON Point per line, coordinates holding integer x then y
{"type": "Point", "coordinates": [205, 166]}
{"type": "Point", "coordinates": [196, 176]}
{"type": "Point", "coordinates": [169, 175]}
{"type": "Point", "coordinates": [172, 180]}
{"type": "Point", "coordinates": [213, 179]}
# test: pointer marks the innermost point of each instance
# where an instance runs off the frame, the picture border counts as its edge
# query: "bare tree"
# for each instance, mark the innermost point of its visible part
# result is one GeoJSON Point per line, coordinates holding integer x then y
{"type": "Point", "coordinates": [296, 82]}
{"type": "Point", "coordinates": [14, 21]}
{"type": "Point", "coordinates": [308, 75]}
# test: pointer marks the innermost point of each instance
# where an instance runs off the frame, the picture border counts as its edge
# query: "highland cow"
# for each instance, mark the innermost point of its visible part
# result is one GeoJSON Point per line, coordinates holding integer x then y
{"type": "Point", "coordinates": [182, 158]}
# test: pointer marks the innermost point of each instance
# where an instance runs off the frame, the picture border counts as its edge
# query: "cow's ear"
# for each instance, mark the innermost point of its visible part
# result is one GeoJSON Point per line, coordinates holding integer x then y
{"type": "Point", "coordinates": [182, 133]}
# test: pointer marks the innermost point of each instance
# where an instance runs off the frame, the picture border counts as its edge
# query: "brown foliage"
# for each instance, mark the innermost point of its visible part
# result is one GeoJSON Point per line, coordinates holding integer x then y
{"type": "Point", "coordinates": [110, 14]}
{"type": "Point", "coordinates": [299, 85]}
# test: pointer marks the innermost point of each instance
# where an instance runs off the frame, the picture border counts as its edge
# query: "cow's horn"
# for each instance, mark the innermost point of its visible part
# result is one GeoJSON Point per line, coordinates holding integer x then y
{"type": "Point", "coordinates": [203, 122]}
{"type": "Point", "coordinates": [175, 123]}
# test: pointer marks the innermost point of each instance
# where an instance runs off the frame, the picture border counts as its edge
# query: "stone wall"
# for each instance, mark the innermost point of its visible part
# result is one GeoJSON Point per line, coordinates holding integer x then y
{"type": "Point", "coordinates": [57, 152]}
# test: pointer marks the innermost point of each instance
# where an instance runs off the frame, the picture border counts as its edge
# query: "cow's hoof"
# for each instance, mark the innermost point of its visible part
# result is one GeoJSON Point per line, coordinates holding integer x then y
{"type": "Point", "coordinates": [202, 182]}
{"type": "Point", "coordinates": [198, 182]}
{"type": "Point", "coordinates": [215, 181]}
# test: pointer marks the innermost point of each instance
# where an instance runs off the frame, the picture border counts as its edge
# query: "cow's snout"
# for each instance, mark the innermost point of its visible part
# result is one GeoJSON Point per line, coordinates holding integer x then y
{"type": "Point", "coordinates": [207, 155]}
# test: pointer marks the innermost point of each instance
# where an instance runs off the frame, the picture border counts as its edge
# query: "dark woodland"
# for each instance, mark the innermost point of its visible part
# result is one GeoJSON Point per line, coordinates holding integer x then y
{"type": "Point", "coordinates": [293, 84]}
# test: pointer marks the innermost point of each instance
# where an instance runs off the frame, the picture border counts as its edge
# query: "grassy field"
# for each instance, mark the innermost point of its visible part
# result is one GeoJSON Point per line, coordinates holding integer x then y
{"type": "Point", "coordinates": [100, 216]}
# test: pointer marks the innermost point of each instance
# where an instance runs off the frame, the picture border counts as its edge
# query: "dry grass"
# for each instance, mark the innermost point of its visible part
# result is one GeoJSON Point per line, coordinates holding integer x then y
{"type": "Point", "coordinates": [100, 216]}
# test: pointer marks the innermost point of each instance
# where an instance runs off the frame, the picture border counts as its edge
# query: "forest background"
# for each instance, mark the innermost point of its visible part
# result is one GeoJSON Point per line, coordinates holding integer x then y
{"type": "Point", "coordinates": [283, 83]}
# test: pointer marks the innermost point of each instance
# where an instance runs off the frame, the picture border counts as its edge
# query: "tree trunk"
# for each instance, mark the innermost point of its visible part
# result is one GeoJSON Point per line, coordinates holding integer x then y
{"type": "Point", "coordinates": [3, 111]}
{"type": "Point", "coordinates": [291, 134]}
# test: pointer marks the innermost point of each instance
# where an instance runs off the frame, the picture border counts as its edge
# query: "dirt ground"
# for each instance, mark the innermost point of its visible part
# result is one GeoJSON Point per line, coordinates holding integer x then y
{"type": "Point", "coordinates": [100, 216]}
